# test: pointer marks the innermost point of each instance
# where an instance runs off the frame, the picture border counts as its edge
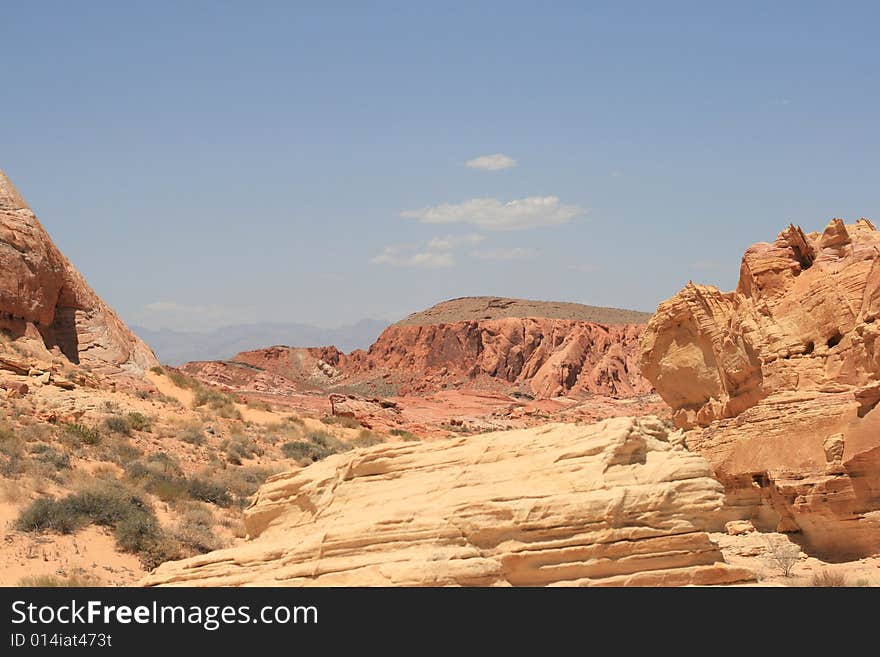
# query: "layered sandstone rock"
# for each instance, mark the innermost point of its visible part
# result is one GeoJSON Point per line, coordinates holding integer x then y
{"type": "Point", "coordinates": [483, 343]}
{"type": "Point", "coordinates": [45, 299]}
{"type": "Point", "coordinates": [613, 503]}
{"type": "Point", "coordinates": [777, 382]}
{"type": "Point", "coordinates": [550, 357]}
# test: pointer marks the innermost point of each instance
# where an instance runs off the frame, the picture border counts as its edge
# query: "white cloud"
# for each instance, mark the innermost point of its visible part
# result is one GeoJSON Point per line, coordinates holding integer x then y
{"type": "Point", "coordinates": [495, 162]}
{"type": "Point", "coordinates": [406, 255]}
{"type": "Point", "coordinates": [449, 242]}
{"type": "Point", "coordinates": [492, 214]}
{"type": "Point", "coordinates": [515, 253]}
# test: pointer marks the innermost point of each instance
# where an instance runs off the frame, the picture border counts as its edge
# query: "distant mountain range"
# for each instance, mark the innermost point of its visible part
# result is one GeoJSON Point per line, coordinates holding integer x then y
{"type": "Point", "coordinates": [177, 347]}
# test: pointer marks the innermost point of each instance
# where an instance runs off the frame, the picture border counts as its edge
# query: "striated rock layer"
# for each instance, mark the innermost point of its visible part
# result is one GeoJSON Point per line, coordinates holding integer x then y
{"type": "Point", "coordinates": [551, 357]}
{"type": "Point", "coordinates": [777, 382]}
{"type": "Point", "coordinates": [614, 503]}
{"type": "Point", "coordinates": [44, 298]}
{"type": "Point", "coordinates": [546, 357]}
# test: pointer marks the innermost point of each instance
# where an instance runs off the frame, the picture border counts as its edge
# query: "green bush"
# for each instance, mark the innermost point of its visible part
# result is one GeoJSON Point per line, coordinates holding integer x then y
{"type": "Point", "coordinates": [209, 491]}
{"type": "Point", "coordinates": [156, 369]}
{"type": "Point", "coordinates": [45, 513]}
{"type": "Point", "coordinates": [51, 456]}
{"type": "Point", "coordinates": [139, 421]}
{"type": "Point", "coordinates": [118, 424]}
{"type": "Point", "coordinates": [298, 449]}
{"type": "Point", "coordinates": [85, 435]}
{"type": "Point", "coordinates": [319, 445]}
{"type": "Point", "coordinates": [109, 504]}
{"type": "Point", "coordinates": [136, 533]}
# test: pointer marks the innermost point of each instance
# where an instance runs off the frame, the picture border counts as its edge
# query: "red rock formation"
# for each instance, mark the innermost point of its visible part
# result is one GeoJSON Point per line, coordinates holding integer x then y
{"type": "Point", "coordinates": [777, 383]}
{"type": "Point", "coordinates": [550, 356]}
{"type": "Point", "coordinates": [43, 297]}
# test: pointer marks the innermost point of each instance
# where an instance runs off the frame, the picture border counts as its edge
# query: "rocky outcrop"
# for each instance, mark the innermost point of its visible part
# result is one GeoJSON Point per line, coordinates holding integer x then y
{"type": "Point", "coordinates": [549, 357]}
{"type": "Point", "coordinates": [45, 299]}
{"type": "Point", "coordinates": [613, 503]}
{"type": "Point", "coordinates": [777, 383]}
{"type": "Point", "coordinates": [497, 349]}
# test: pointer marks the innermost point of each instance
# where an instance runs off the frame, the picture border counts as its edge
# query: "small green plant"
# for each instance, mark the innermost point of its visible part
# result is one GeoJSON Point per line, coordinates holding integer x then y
{"type": "Point", "coordinates": [157, 369]}
{"type": "Point", "coordinates": [85, 435]}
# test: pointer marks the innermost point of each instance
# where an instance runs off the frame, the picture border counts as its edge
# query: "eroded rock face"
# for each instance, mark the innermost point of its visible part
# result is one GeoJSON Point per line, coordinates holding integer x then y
{"type": "Point", "coordinates": [43, 297]}
{"type": "Point", "coordinates": [614, 503]}
{"type": "Point", "coordinates": [777, 383]}
{"type": "Point", "coordinates": [551, 357]}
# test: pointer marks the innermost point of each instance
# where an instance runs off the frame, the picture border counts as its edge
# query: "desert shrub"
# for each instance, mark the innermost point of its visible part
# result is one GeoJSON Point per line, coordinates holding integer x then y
{"type": "Point", "coordinates": [195, 530]}
{"type": "Point", "coordinates": [157, 369]}
{"type": "Point", "coordinates": [342, 421]}
{"type": "Point", "coordinates": [206, 490]}
{"type": "Point", "coordinates": [137, 533]}
{"type": "Point", "coordinates": [143, 394]}
{"type": "Point", "coordinates": [296, 420]}
{"type": "Point", "coordinates": [405, 435]}
{"type": "Point", "coordinates": [85, 435]}
{"type": "Point", "coordinates": [125, 424]}
{"type": "Point", "coordinates": [51, 456]}
{"type": "Point", "coordinates": [783, 555]}
{"type": "Point", "coordinates": [11, 453]}
{"type": "Point", "coordinates": [298, 449]}
{"type": "Point", "coordinates": [139, 421]}
{"type": "Point", "coordinates": [118, 424]}
{"type": "Point", "coordinates": [828, 578]}
{"type": "Point", "coordinates": [179, 379]}
{"type": "Point", "coordinates": [366, 438]}
{"type": "Point", "coordinates": [240, 447]}
{"type": "Point", "coordinates": [109, 504]}
{"type": "Point", "coordinates": [160, 549]}
{"type": "Point", "coordinates": [193, 434]}
{"type": "Point", "coordinates": [36, 433]}
{"type": "Point", "coordinates": [77, 579]}
{"type": "Point", "coordinates": [160, 475]}
{"type": "Point", "coordinates": [45, 513]}
{"type": "Point", "coordinates": [244, 482]}
{"type": "Point", "coordinates": [319, 445]}
{"type": "Point", "coordinates": [119, 450]}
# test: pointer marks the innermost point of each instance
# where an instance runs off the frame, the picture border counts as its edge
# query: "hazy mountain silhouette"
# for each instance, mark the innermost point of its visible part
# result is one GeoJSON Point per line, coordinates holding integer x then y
{"type": "Point", "coordinates": [176, 347]}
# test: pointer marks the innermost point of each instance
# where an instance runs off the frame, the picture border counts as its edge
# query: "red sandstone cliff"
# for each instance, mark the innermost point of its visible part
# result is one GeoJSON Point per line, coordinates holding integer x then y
{"type": "Point", "coordinates": [778, 382]}
{"type": "Point", "coordinates": [45, 301]}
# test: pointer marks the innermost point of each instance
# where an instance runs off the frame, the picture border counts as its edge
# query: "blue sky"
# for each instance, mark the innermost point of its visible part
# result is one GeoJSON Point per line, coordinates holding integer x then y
{"type": "Point", "coordinates": [208, 163]}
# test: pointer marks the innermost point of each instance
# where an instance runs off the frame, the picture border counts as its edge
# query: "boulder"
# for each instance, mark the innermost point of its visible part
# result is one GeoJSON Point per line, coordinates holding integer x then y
{"type": "Point", "coordinates": [777, 385]}
{"type": "Point", "coordinates": [612, 503]}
